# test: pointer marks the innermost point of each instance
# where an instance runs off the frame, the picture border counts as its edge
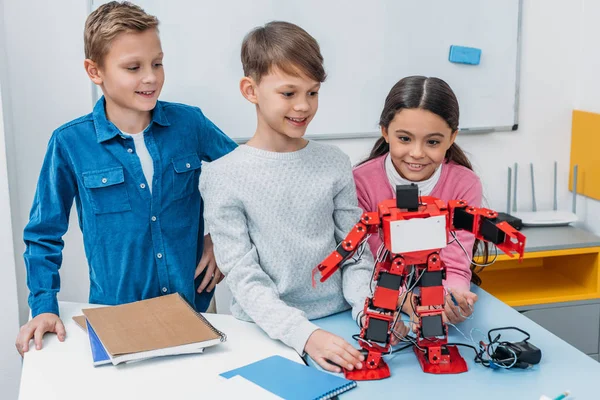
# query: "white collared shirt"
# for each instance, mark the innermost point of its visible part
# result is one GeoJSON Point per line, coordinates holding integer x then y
{"type": "Point", "coordinates": [425, 187]}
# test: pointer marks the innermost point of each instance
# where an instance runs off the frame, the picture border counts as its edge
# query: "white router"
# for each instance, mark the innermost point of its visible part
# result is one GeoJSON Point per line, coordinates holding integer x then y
{"type": "Point", "coordinates": [550, 217]}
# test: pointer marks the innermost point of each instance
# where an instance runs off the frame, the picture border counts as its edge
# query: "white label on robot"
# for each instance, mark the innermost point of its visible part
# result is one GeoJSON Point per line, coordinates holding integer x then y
{"type": "Point", "coordinates": [418, 234]}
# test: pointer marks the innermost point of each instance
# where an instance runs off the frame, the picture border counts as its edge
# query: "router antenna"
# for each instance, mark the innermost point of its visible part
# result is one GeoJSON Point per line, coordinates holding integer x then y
{"type": "Point", "coordinates": [555, 180]}
{"type": "Point", "coordinates": [575, 189]}
{"type": "Point", "coordinates": [533, 205]}
{"type": "Point", "coordinates": [508, 197]}
{"type": "Point", "coordinates": [515, 190]}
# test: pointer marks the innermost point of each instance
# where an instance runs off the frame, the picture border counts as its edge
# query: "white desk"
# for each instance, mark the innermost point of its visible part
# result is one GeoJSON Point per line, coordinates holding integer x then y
{"type": "Point", "coordinates": [64, 371]}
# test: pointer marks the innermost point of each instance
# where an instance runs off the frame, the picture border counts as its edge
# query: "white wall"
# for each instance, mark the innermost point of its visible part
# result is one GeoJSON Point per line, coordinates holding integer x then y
{"type": "Point", "coordinates": [588, 89]}
{"type": "Point", "coordinates": [45, 86]}
{"type": "Point", "coordinates": [10, 362]}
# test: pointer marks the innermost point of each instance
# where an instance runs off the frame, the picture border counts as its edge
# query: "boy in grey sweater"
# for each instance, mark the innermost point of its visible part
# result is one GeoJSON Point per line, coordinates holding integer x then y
{"type": "Point", "coordinates": [277, 206]}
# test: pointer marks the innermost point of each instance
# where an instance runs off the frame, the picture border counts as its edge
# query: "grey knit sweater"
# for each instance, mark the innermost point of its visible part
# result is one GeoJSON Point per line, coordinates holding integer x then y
{"type": "Point", "coordinates": [273, 217]}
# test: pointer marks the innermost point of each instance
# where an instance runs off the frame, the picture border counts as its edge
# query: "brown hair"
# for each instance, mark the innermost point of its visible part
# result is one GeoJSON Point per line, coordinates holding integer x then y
{"type": "Point", "coordinates": [436, 96]}
{"type": "Point", "coordinates": [285, 46]}
{"type": "Point", "coordinates": [109, 20]}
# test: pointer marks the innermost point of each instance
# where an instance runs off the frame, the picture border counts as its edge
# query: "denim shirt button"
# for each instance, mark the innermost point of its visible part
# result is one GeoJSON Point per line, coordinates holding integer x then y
{"type": "Point", "coordinates": [130, 151]}
{"type": "Point", "coordinates": [165, 290]}
{"type": "Point", "coordinates": [143, 185]}
{"type": "Point", "coordinates": [188, 165]}
{"type": "Point", "coordinates": [104, 180]}
{"type": "Point", "coordinates": [153, 218]}
{"type": "Point", "coordinates": [159, 255]}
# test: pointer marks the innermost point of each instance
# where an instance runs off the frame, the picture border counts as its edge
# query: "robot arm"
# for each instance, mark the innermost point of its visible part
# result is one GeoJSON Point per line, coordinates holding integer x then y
{"type": "Point", "coordinates": [484, 224]}
{"type": "Point", "coordinates": [368, 224]}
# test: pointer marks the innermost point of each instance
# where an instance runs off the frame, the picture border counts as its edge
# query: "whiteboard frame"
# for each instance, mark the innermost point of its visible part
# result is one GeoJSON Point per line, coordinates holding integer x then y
{"type": "Point", "coordinates": [376, 134]}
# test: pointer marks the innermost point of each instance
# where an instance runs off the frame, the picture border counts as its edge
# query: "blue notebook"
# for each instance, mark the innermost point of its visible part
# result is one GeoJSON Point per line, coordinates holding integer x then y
{"type": "Point", "coordinates": [291, 380]}
{"type": "Point", "coordinates": [99, 354]}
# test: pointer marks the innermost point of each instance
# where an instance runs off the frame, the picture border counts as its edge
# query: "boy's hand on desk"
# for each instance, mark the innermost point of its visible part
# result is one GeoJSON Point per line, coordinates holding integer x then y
{"type": "Point", "coordinates": [326, 348]}
{"type": "Point", "coordinates": [208, 262]}
{"type": "Point", "coordinates": [42, 323]}
{"type": "Point", "coordinates": [455, 313]}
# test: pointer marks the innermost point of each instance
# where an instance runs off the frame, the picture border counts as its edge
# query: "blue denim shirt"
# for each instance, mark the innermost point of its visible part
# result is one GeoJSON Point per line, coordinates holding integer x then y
{"type": "Point", "coordinates": [138, 245]}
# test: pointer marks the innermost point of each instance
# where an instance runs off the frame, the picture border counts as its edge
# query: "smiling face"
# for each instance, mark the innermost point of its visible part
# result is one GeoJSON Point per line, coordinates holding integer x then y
{"type": "Point", "coordinates": [418, 142]}
{"type": "Point", "coordinates": [131, 75]}
{"type": "Point", "coordinates": [285, 105]}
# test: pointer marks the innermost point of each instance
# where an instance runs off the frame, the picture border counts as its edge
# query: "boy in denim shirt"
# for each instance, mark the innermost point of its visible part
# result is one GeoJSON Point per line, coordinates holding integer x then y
{"type": "Point", "coordinates": [133, 167]}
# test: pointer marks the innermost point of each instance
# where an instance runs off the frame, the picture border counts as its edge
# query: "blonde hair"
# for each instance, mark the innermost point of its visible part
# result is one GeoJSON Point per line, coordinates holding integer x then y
{"type": "Point", "coordinates": [109, 20]}
{"type": "Point", "coordinates": [285, 46]}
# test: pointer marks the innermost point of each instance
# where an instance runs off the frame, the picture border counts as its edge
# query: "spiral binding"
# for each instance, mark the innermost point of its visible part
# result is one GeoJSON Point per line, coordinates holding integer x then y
{"type": "Point", "coordinates": [333, 393]}
{"type": "Point", "coordinates": [222, 336]}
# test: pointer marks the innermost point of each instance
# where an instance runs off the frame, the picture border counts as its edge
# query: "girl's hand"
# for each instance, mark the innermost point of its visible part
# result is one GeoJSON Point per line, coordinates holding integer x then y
{"type": "Point", "coordinates": [398, 331]}
{"type": "Point", "coordinates": [465, 302]}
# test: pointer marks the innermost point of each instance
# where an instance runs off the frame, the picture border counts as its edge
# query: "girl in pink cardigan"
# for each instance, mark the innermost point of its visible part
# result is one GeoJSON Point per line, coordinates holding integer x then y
{"type": "Point", "coordinates": [419, 123]}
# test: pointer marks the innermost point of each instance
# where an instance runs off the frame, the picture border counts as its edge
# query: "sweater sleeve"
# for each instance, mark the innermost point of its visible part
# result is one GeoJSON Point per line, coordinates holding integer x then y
{"type": "Point", "coordinates": [458, 265]}
{"type": "Point", "coordinates": [237, 257]}
{"type": "Point", "coordinates": [356, 275]}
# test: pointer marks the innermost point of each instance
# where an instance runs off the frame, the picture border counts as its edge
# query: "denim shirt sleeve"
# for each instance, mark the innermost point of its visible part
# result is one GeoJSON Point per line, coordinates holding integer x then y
{"type": "Point", "coordinates": [215, 143]}
{"type": "Point", "coordinates": [48, 222]}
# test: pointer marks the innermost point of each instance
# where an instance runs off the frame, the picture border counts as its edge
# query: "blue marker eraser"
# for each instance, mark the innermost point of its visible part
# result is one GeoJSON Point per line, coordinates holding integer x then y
{"type": "Point", "coordinates": [464, 55]}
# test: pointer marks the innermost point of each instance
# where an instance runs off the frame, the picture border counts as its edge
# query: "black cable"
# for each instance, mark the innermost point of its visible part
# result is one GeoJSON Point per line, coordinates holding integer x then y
{"type": "Point", "coordinates": [356, 337]}
{"type": "Point", "coordinates": [487, 348]}
{"type": "Point", "coordinates": [401, 348]}
{"type": "Point", "coordinates": [506, 328]}
{"type": "Point", "coordinates": [478, 354]}
{"type": "Point", "coordinates": [465, 345]}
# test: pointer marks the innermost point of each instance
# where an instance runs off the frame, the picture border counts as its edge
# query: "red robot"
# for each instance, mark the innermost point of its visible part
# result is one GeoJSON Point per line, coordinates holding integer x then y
{"type": "Point", "coordinates": [414, 229]}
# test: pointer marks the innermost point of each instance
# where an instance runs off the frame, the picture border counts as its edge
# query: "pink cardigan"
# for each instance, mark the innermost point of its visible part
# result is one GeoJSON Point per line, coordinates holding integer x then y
{"type": "Point", "coordinates": [456, 182]}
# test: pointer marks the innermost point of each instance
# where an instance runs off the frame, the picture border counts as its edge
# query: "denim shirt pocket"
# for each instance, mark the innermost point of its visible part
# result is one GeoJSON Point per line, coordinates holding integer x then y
{"type": "Point", "coordinates": [185, 178]}
{"type": "Point", "coordinates": [107, 190]}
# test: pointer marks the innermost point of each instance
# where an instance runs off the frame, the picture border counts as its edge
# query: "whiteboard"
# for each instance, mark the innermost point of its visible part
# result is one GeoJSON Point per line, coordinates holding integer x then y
{"type": "Point", "coordinates": [367, 46]}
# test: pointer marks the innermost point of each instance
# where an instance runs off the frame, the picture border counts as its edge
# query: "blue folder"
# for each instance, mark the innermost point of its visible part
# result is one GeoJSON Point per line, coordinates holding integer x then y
{"type": "Point", "coordinates": [291, 380]}
{"type": "Point", "coordinates": [99, 354]}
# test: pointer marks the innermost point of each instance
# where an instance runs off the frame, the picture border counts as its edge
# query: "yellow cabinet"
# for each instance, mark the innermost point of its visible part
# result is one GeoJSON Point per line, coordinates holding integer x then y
{"type": "Point", "coordinates": [561, 264]}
